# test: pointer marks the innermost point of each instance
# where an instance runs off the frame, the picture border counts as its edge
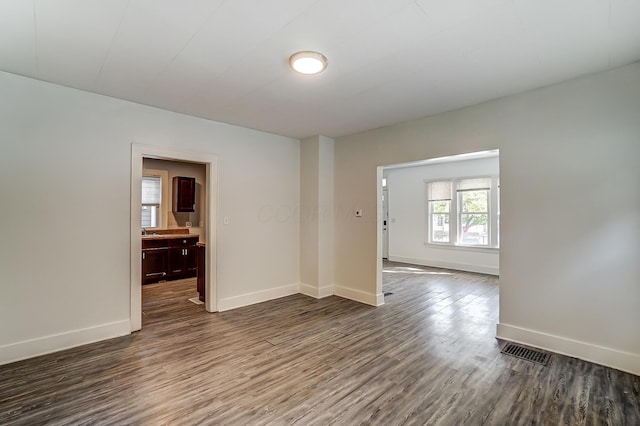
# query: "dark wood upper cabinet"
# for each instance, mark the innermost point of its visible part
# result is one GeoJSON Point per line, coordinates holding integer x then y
{"type": "Point", "coordinates": [184, 194]}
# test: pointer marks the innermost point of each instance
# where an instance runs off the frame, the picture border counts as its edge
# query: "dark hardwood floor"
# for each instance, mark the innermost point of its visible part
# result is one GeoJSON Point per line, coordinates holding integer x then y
{"type": "Point", "coordinates": [428, 356]}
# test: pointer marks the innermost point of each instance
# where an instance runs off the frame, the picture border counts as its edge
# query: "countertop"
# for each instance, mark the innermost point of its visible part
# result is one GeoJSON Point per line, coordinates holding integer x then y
{"type": "Point", "coordinates": [168, 236]}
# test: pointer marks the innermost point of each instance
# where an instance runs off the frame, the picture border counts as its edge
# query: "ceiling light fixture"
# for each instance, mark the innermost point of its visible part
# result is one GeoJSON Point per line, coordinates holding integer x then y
{"type": "Point", "coordinates": [308, 62]}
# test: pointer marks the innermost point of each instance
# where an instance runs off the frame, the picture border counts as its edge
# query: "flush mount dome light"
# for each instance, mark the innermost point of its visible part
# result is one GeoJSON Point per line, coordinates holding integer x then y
{"type": "Point", "coordinates": [308, 62]}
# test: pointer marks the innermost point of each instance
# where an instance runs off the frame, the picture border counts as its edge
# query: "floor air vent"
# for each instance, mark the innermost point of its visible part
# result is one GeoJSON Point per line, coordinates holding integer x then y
{"type": "Point", "coordinates": [522, 352]}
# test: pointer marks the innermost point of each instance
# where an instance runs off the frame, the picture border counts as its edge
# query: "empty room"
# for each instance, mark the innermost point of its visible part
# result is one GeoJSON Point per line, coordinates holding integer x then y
{"type": "Point", "coordinates": [320, 212]}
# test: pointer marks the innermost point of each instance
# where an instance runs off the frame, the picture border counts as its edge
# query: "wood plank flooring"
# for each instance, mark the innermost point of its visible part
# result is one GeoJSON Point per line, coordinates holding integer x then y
{"type": "Point", "coordinates": [428, 356]}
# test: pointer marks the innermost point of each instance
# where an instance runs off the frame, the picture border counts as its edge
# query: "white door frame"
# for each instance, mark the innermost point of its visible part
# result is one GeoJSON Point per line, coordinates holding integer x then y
{"type": "Point", "coordinates": [138, 152]}
{"type": "Point", "coordinates": [385, 227]}
{"type": "Point", "coordinates": [379, 235]}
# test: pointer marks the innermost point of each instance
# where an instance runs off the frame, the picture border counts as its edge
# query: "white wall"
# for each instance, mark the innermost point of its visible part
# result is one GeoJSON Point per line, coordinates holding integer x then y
{"type": "Point", "coordinates": [65, 211]}
{"type": "Point", "coordinates": [309, 229]}
{"type": "Point", "coordinates": [408, 212]}
{"type": "Point", "coordinates": [325, 213]}
{"type": "Point", "coordinates": [316, 216]}
{"type": "Point", "coordinates": [570, 208]}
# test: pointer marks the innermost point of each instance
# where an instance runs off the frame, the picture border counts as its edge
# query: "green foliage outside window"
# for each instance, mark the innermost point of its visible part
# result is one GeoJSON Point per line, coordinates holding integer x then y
{"type": "Point", "coordinates": [474, 202]}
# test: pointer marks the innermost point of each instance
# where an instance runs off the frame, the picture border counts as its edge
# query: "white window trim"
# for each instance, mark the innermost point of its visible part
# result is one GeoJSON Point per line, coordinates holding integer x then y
{"type": "Point", "coordinates": [430, 213]}
{"type": "Point", "coordinates": [479, 249]}
{"type": "Point", "coordinates": [454, 232]}
{"type": "Point", "coordinates": [164, 201]}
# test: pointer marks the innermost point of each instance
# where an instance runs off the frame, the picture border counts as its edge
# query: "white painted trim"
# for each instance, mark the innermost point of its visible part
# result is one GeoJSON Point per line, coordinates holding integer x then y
{"type": "Point", "coordinates": [492, 153]}
{"type": "Point", "coordinates": [448, 265]}
{"type": "Point", "coordinates": [379, 235]}
{"type": "Point", "coordinates": [138, 152]}
{"type": "Point", "coordinates": [624, 361]}
{"type": "Point", "coordinates": [359, 296]}
{"type": "Point", "coordinates": [234, 302]}
{"type": "Point", "coordinates": [135, 277]}
{"type": "Point", "coordinates": [316, 292]}
{"type": "Point", "coordinates": [58, 342]}
{"type": "Point", "coordinates": [211, 266]}
{"type": "Point", "coordinates": [476, 249]}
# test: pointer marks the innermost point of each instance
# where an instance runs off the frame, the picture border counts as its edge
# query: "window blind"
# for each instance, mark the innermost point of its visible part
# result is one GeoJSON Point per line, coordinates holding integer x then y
{"type": "Point", "coordinates": [439, 191]}
{"type": "Point", "coordinates": [476, 184]}
{"type": "Point", "coordinates": [151, 190]}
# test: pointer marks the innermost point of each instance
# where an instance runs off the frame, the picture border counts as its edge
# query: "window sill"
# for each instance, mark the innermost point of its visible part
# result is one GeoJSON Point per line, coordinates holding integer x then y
{"type": "Point", "coordinates": [464, 248]}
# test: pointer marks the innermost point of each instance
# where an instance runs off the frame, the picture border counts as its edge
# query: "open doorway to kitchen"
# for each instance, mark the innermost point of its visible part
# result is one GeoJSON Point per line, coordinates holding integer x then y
{"type": "Point", "coordinates": [441, 213]}
{"type": "Point", "coordinates": [165, 222]}
{"type": "Point", "coordinates": [173, 235]}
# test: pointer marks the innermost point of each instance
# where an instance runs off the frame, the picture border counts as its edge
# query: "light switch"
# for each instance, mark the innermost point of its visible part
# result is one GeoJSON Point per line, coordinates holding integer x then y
{"type": "Point", "coordinates": [226, 220]}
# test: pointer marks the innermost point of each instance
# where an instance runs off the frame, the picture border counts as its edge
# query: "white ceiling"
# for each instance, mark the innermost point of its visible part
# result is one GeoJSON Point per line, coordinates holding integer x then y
{"type": "Point", "coordinates": [389, 60]}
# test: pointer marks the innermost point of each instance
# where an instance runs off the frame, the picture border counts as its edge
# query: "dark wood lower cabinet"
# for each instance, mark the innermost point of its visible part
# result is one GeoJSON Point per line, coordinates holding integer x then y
{"type": "Point", "coordinates": [201, 270]}
{"type": "Point", "coordinates": [154, 265]}
{"type": "Point", "coordinates": [168, 259]}
{"type": "Point", "coordinates": [182, 262]}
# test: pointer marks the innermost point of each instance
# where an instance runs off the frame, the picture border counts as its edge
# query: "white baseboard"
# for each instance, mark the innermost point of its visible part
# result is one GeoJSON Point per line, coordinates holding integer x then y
{"type": "Point", "coordinates": [480, 269]}
{"type": "Point", "coordinates": [316, 292]}
{"type": "Point", "coordinates": [234, 302]}
{"type": "Point", "coordinates": [58, 342]}
{"type": "Point", "coordinates": [359, 296]}
{"type": "Point", "coordinates": [624, 361]}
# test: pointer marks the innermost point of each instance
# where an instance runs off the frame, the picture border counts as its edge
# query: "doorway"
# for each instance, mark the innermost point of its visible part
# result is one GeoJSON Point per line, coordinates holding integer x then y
{"type": "Point", "coordinates": [138, 153]}
{"type": "Point", "coordinates": [463, 235]}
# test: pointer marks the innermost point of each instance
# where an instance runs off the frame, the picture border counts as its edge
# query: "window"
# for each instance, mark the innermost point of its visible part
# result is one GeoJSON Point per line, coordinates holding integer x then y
{"type": "Point", "coordinates": [465, 219]}
{"type": "Point", "coordinates": [473, 211]}
{"type": "Point", "coordinates": [439, 211]}
{"type": "Point", "coordinates": [151, 201]}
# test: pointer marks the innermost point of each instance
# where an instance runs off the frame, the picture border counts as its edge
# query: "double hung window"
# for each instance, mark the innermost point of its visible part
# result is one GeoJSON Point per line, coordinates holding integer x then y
{"type": "Point", "coordinates": [463, 212]}
{"type": "Point", "coordinates": [151, 201]}
{"type": "Point", "coordinates": [440, 212]}
{"type": "Point", "coordinates": [473, 211]}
